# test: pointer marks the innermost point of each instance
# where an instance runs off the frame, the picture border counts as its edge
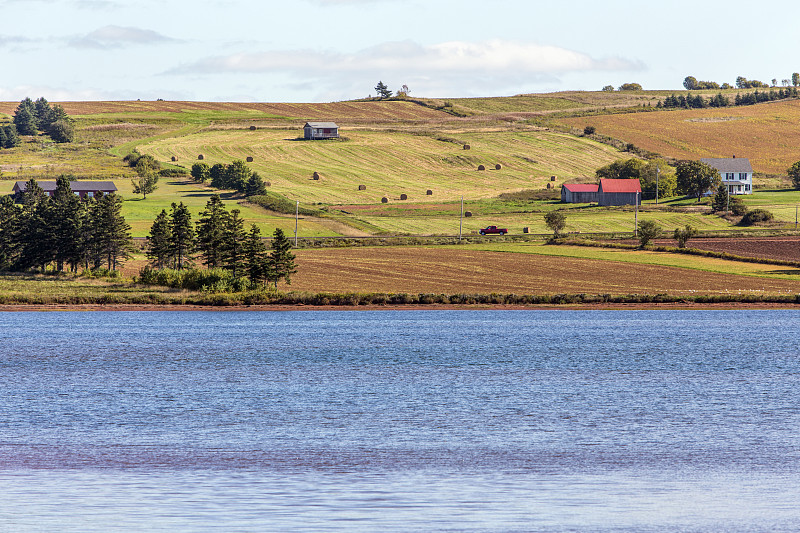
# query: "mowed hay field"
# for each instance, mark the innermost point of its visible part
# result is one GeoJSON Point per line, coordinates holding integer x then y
{"type": "Point", "coordinates": [451, 270]}
{"type": "Point", "coordinates": [767, 134]}
{"type": "Point", "coordinates": [391, 163]}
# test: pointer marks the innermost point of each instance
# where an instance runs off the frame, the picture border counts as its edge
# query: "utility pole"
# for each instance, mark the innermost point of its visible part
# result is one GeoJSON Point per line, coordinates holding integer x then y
{"type": "Point", "coordinates": [296, 213]}
{"type": "Point", "coordinates": [636, 216]}
{"type": "Point", "coordinates": [727, 201]}
{"type": "Point", "coordinates": [461, 220]}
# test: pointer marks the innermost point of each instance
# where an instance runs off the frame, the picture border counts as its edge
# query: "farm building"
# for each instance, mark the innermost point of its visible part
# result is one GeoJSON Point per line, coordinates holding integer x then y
{"type": "Point", "coordinates": [321, 130]}
{"type": "Point", "coordinates": [619, 192]}
{"type": "Point", "coordinates": [736, 173]}
{"type": "Point", "coordinates": [84, 189]}
{"type": "Point", "coordinates": [578, 193]}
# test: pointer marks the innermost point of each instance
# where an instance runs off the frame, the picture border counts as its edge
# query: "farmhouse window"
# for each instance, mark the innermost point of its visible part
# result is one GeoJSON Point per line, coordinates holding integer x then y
{"type": "Point", "coordinates": [742, 176]}
{"type": "Point", "coordinates": [747, 186]}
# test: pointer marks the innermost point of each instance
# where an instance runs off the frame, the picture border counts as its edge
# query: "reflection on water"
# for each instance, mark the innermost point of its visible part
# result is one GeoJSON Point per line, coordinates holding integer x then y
{"type": "Point", "coordinates": [414, 420]}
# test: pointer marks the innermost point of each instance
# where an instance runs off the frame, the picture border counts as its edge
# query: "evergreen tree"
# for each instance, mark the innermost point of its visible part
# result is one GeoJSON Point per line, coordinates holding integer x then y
{"type": "Point", "coordinates": [32, 235]}
{"type": "Point", "coordinates": [255, 186]}
{"type": "Point", "coordinates": [9, 243]}
{"type": "Point", "coordinates": [159, 242]}
{"type": "Point", "coordinates": [281, 263]}
{"type": "Point", "coordinates": [43, 113]}
{"type": "Point", "coordinates": [256, 259]}
{"type": "Point", "coordinates": [217, 174]}
{"type": "Point", "coordinates": [382, 90]}
{"type": "Point", "coordinates": [3, 138]}
{"type": "Point", "coordinates": [114, 233]}
{"type": "Point", "coordinates": [237, 174]}
{"type": "Point", "coordinates": [720, 200]}
{"type": "Point", "coordinates": [144, 185]}
{"type": "Point", "coordinates": [234, 244]}
{"type": "Point", "coordinates": [211, 228]}
{"type": "Point", "coordinates": [25, 118]}
{"type": "Point", "coordinates": [65, 224]}
{"type": "Point", "coordinates": [61, 131]}
{"type": "Point", "coordinates": [183, 237]}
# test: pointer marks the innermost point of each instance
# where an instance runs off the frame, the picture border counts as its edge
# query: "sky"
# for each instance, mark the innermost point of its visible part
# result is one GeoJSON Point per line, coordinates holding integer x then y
{"type": "Point", "coordinates": [334, 50]}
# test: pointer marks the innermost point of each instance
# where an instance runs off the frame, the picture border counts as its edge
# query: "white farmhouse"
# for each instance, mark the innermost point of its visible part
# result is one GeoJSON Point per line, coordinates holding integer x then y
{"type": "Point", "coordinates": [736, 173]}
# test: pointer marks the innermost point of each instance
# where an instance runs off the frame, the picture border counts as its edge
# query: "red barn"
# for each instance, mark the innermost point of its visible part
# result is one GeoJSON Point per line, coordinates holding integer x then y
{"type": "Point", "coordinates": [619, 192]}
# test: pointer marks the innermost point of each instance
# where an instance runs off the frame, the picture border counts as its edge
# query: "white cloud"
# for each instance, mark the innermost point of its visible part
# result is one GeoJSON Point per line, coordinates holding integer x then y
{"type": "Point", "coordinates": [117, 36]}
{"type": "Point", "coordinates": [494, 57]}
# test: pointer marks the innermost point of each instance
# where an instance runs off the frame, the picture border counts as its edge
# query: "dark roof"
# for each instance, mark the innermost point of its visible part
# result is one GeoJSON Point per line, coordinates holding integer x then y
{"type": "Point", "coordinates": [580, 187]}
{"type": "Point", "coordinates": [321, 124]}
{"type": "Point", "coordinates": [729, 164]}
{"type": "Point", "coordinates": [623, 185]}
{"type": "Point", "coordinates": [76, 186]}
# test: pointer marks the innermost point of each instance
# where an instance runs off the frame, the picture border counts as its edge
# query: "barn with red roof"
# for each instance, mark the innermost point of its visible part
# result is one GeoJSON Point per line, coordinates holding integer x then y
{"type": "Point", "coordinates": [579, 193]}
{"type": "Point", "coordinates": [619, 192]}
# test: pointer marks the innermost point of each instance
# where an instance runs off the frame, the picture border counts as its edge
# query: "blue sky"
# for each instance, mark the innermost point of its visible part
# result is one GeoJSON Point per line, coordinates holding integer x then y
{"type": "Point", "coordinates": [331, 50]}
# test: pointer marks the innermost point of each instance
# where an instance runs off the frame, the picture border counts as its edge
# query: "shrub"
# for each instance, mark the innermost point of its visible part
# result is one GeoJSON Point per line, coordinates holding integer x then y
{"type": "Point", "coordinates": [683, 235]}
{"type": "Point", "coordinates": [589, 130]}
{"type": "Point", "coordinates": [737, 206]}
{"type": "Point", "coordinates": [280, 204]}
{"type": "Point", "coordinates": [648, 230]}
{"type": "Point", "coordinates": [755, 216]}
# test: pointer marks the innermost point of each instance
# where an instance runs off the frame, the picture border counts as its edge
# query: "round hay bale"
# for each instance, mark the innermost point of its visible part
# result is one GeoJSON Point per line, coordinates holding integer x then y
{"type": "Point", "coordinates": [249, 159]}
{"type": "Point", "coordinates": [268, 183]}
{"type": "Point", "coordinates": [498, 166]}
{"type": "Point", "coordinates": [467, 213]}
{"type": "Point", "coordinates": [466, 147]}
{"type": "Point", "coordinates": [384, 200]}
{"type": "Point", "coordinates": [481, 167]}
{"type": "Point", "coordinates": [362, 187]}
{"type": "Point", "coordinates": [549, 185]}
{"type": "Point", "coordinates": [429, 192]}
{"type": "Point", "coordinates": [404, 196]}
{"type": "Point", "coordinates": [200, 157]}
{"type": "Point", "coordinates": [174, 158]}
{"type": "Point", "coordinates": [552, 178]}
{"type": "Point", "coordinates": [252, 128]}
{"type": "Point", "coordinates": [526, 229]}
{"type": "Point", "coordinates": [315, 175]}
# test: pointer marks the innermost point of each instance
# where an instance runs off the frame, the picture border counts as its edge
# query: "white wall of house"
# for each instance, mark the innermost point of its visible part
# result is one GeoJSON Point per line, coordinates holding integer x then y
{"type": "Point", "coordinates": [738, 182]}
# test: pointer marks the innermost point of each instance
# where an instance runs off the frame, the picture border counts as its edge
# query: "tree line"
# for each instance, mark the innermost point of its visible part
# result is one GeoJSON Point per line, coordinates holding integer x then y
{"type": "Point", "coordinates": [236, 175]}
{"type": "Point", "coordinates": [62, 230]}
{"type": "Point", "coordinates": [218, 239]}
{"type": "Point", "coordinates": [31, 118]}
{"type": "Point", "coordinates": [720, 100]}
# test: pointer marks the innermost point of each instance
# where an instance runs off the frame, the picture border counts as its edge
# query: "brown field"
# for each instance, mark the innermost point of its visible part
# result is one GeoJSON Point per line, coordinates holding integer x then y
{"type": "Point", "coordinates": [783, 248]}
{"type": "Point", "coordinates": [452, 271]}
{"type": "Point", "coordinates": [336, 111]}
{"type": "Point", "coordinates": [767, 134]}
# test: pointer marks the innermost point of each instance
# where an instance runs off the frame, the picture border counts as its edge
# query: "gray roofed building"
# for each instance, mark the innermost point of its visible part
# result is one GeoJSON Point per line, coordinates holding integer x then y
{"type": "Point", "coordinates": [321, 130]}
{"type": "Point", "coordinates": [80, 188]}
{"type": "Point", "coordinates": [736, 173]}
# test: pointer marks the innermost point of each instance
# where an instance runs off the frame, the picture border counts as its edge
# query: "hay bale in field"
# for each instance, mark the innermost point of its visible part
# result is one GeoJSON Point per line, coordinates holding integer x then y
{"type": "Point", "coordinates": [552, 178]}
{"type": "Point", "coordinates": [252, 128]}
{"type": "Point", "coordinates": [268, 183]}
{"type": "Point", "coordinates": [362, 187]}
{"type": "Point", "coordinates": [384, 200]}
{"type": "Point", "coordinates": [481, 167]}
{"type": "Point", "coordinates": [549, 185]}
{"type": "Point", "coordinates": [200, 157]}
{"type": "Point", "coordinates": [249, 159]}
{"type": "Point", "coordinates": [498, 166]}
{"type": "Point", "coordinates": [404, 196]}
{"type": "Point", "coordinates": [174, 158]}
{"type": "Point", "coordinates": [429, 192]}
{"type": "Point", "coordinates": [467, 213]}
{"type": "Point", "coordinates": [315, 175]}
{"type": "Point", "coordinates": [526, 229]}
{"type": "Point", "coordinates": [466, 147]}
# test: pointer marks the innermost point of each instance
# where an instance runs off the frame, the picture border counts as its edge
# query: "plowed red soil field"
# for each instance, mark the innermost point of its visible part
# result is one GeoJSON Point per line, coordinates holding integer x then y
{"type": "Point", "coordinates": [783, 248]}
{"type": "Point", "coordinates": [449, 271]}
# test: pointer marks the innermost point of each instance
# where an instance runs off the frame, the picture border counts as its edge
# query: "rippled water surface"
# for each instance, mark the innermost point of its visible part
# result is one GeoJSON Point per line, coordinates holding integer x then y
{"type": "Point", "coordinates": [400, 421]}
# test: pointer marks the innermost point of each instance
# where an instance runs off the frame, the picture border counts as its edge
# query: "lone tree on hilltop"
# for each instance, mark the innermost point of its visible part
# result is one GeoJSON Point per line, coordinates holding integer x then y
{"type": "Point", "coordinates": [690, 82]}
{"type": "Point", "coordinates": [382, 90]}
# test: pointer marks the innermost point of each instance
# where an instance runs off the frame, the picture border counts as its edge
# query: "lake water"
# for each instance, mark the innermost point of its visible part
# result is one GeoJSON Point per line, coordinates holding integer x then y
{"type": "Point", "coordinates": [400, 421]}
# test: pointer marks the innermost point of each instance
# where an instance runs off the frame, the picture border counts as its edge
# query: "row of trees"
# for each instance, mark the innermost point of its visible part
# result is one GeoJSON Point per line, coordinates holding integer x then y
{"type": "Point", "coordinates": [236, 175]}
{"type": "Point", "coordinates": [624, 87]}
{"type": "Point", "coordinates": [651, 174]}
{"type": "Point", "coordinates": [219, 240]}
{"type": "Point", "coordinates": [63, 230]}
{"type": "Point", "coordinates": [691, 83]}
{"type": "Point", "coordinates": [32, 117]}
{"type": "Point", "coordinates": [720, 100]}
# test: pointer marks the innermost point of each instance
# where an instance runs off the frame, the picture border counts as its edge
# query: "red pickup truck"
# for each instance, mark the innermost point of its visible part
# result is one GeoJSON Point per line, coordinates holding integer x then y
{"type": "Point", "coordinates": [493, 230]}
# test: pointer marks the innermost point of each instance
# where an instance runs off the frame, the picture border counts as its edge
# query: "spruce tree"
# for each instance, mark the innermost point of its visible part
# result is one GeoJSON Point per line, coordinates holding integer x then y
{"type": "Point", "coordinates": [183, 237]}
{"type": "Point", "coordinates": [255, 252]}
{"type": "Point", "coordinates": [255, 186]}
{"type": "Point", "coordinates": [281, 263]}
{"type": "Point", "coordinates": [25, 118]}
{"type": "Point", "coordinates": [65, 224]}
{"type": "Point", "coordinates": [720, 201]}
{"type": "Point", "coordinates": [114, 235]}
{"type": "Point", "coordinates": [211, 230]}
{"type": "Point", "coordinates": [159, 242]}
{"type": "Point", "coordinates": [234, 244]}
{"type": "Point", "coordinates": [9, 221]}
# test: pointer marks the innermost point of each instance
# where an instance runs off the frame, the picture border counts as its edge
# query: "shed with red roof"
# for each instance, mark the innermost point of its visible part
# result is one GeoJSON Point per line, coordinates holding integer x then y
{"type": "Point", "coordinates": [579, 193]}
{"type": "Point", "coordinates": [619, 192]}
